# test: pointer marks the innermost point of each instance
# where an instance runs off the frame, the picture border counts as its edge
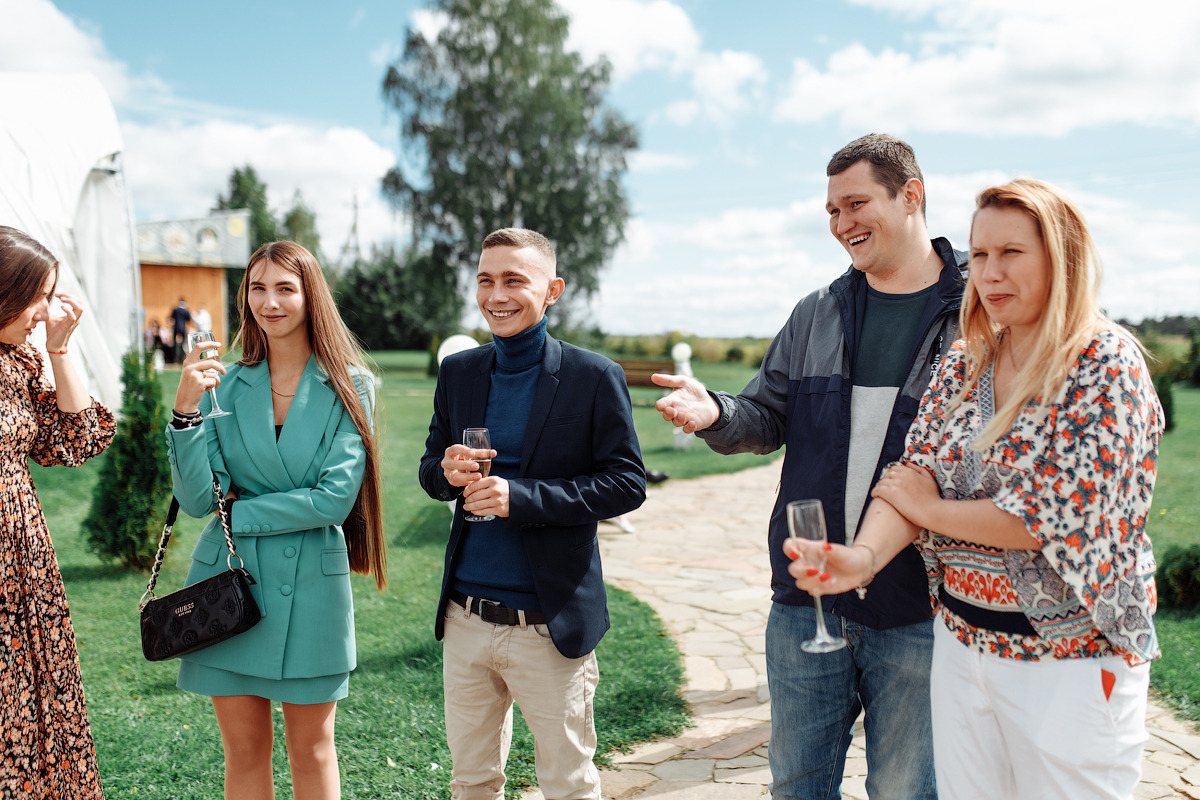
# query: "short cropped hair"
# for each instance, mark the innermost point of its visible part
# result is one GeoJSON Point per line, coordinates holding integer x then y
{"type": "Point", "coordinates": [892, 160]}
{"type": "Point", "coordinates": [520, 237]}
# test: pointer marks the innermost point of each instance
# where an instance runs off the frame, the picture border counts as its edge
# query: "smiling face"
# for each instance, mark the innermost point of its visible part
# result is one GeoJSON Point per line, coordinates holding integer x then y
{"type": "Point", "coordinates": [1010, 268]}
{"type": "Point", "coordinates": [17, 331]}
{"type": "Point", "coordinates": [276, 299]}
{"type": "Point", "coordinates": [514, 287]}
{"type": "Point", "coordinates": [874, 227]}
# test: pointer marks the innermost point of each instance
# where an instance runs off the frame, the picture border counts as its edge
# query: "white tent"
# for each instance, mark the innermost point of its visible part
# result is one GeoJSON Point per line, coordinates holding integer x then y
{"type": "Point", "coordinates": [62, 182]}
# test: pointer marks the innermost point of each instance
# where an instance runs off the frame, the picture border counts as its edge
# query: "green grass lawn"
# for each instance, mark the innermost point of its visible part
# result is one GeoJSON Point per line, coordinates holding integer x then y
{"type": "Point", "coordinates": [1175, 520]}
{"type": "Point", "coordinates": [154, 741]}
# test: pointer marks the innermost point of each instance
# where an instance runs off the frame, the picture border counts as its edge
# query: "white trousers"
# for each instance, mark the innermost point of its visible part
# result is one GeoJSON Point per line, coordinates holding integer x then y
{"type": "Point", "coordinates": [1021, 730]}
{"type": "Point", "coordinates": [486, 667]}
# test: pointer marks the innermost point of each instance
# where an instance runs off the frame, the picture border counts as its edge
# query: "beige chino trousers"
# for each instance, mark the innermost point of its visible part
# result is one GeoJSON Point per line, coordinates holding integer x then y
{"type": "Point", "coordinates": [486, 668]}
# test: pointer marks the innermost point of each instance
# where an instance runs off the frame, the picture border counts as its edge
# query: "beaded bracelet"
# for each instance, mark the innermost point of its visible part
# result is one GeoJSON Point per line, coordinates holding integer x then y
{"type": "Point", "coordinates": [181, 421]}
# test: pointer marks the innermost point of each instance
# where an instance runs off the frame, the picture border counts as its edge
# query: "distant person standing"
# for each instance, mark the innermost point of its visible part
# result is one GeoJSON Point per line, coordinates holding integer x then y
{"type": "Point", "coordinates": [203, 319]}
{"type": "Point", "coordinates": [180, 317]}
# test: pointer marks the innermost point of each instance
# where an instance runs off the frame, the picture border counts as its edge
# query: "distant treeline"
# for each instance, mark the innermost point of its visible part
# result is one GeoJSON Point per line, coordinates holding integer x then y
{"type": "Point", "coordinates": [1167, 326]}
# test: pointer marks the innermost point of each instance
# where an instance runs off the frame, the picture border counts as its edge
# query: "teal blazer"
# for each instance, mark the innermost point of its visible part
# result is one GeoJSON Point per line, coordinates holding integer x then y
{"type": "Point", "coordinates": [293, 496]}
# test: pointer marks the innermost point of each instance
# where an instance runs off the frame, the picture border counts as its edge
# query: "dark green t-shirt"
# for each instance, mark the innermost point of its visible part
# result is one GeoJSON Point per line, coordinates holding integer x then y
{"type": "Point", "coordinates": [886, 341]}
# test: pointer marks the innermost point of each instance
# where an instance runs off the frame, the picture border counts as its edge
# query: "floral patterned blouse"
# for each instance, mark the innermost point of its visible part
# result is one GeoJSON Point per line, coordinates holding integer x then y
{"type": "Point", "coordinates": [1080, 476]}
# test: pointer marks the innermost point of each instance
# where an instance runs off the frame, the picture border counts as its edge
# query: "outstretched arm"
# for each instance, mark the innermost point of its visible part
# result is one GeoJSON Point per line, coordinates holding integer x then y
{"type": "Point", "coordinates": [689, 406]}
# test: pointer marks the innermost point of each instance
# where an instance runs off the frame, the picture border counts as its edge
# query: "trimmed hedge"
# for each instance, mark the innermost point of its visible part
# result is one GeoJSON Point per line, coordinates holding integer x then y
{"type": "Point", "coordinates": [1178, 577]}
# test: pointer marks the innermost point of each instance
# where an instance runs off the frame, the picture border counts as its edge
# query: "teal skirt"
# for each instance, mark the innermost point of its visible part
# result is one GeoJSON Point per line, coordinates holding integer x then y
{"type": "Point", "coordinates": [213, 682]}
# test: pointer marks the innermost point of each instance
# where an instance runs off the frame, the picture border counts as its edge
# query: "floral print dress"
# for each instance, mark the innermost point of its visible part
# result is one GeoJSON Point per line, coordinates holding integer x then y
{"type": "Point", "coordinates": [1080, 477]}
{"type": "Point", "coordinates": [46, 748]}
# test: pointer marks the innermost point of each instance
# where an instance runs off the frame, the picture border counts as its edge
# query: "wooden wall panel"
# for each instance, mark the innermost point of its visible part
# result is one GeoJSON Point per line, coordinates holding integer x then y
{"type": "Point", "coordinates": [163, 285]}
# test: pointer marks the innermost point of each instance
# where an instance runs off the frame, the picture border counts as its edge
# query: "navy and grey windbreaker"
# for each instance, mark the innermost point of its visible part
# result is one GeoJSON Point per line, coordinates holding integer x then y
{"type": "Point", "coordinates": [801, 398]}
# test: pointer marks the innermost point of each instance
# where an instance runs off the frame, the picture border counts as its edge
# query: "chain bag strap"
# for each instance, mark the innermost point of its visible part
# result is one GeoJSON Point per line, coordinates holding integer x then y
{"type": "Point", "coordinates": [204, 613]}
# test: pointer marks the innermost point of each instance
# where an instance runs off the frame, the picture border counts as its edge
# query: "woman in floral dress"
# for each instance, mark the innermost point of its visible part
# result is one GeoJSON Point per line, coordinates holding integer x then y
{"type": "Point", "coordinates": [46, 748]}
{"type": "Point", "coordinates": [1026, 483]}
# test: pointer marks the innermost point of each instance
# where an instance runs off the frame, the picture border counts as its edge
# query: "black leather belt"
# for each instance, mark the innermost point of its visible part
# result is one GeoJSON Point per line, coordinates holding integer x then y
{"type": "Point", "coordinates": [1001, 621]}
{"type": "Point", "coordinates": [496, 613]}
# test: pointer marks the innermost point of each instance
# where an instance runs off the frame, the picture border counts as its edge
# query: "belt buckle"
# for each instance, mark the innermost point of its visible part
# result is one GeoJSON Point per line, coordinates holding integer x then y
{"type": "Point", "coordinates": [485, 603]}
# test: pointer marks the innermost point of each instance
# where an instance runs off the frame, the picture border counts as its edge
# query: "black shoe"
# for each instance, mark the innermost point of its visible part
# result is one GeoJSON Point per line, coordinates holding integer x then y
{"type": "Point", "coordinates": [654, 476]}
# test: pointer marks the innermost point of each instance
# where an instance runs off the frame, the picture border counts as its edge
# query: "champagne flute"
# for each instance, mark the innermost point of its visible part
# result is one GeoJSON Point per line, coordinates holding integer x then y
{"type": "Point", "coordinates": [806, 520]}
{"type": "Point", "coordinates": [194, 339]}
{"type": "Point", "coordinates": [478, 439]}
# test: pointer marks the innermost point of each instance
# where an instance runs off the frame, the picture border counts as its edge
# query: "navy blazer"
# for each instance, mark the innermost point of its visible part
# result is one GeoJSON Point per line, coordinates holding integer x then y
{"type": "Point", "coordinates": [580, 463]}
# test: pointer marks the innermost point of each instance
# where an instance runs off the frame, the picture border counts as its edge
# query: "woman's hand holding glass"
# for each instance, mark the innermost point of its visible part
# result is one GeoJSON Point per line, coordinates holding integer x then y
{"type": "Point", "coordinates": [198, 376]}
{"type": "Point", "coordinates": [845, 567]}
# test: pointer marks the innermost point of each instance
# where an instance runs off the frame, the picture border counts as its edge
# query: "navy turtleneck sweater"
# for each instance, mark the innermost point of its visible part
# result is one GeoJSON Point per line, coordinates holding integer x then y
{"type": "Point", "coordinates": [493, 564]}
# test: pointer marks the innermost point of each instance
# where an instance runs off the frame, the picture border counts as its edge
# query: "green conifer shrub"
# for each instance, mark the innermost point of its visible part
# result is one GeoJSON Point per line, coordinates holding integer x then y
{"type": "Point", "coordinates": [129, 502]}
{"type": "Point", "coordinates": [1178, 577]}
{"type": "Point", "coordinates": [1166, 396]}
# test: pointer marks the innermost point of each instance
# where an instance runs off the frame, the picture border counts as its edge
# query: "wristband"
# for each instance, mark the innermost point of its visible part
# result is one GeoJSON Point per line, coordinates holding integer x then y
{"type": "Point", "coordinates": [62, 352]}
{"type": "Point", "coordinates": [181, 421]}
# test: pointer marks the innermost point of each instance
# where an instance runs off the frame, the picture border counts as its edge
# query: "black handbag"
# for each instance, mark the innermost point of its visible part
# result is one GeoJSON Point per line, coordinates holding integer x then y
{"type": "Point", "coordinates": [196, 616]}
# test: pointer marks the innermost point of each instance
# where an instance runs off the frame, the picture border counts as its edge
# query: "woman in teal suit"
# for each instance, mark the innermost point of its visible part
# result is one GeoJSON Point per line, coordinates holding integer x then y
{"type": "Point", "coordinates": [298, 463]}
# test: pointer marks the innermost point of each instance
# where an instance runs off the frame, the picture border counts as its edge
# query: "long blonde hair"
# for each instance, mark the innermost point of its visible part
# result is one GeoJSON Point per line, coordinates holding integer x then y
{"type": "Point", "coordinates": [1071, 318]}
{"type": "Point", "coordinates": [337, 352]}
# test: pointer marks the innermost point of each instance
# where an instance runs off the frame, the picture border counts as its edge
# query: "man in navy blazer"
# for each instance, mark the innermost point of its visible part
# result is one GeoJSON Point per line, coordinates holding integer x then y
{"type": "Point", "coordinates": [523, 605]}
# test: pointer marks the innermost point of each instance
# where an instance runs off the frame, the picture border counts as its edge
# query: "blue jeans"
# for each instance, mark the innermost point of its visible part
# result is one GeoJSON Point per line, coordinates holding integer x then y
{"type": "Point", "coordinates": [815, 699]}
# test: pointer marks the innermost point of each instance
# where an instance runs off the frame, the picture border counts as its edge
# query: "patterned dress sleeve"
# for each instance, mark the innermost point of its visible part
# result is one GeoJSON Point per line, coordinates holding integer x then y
{"type": "Point", "coordinates": [65, 439]}
{"type": "Point", "coordinates": [921, 448]}
{"type": "Point", "coordinates": [1088, 495]}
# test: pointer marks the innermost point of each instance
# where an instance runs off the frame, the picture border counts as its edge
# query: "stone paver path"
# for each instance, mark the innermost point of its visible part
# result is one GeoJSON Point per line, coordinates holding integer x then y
{"type": "Point", "coordinates": [698, 558]}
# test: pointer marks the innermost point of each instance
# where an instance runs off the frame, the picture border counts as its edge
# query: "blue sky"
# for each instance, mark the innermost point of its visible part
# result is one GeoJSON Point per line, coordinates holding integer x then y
{"type": "Point", "coordinates": [739, 106]}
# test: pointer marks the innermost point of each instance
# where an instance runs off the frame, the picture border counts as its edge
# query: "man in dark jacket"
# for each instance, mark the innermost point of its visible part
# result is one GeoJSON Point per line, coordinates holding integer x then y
{"type": "Point", "coordinates": [839, 386]}
{"type": "Point", "coordinates": [523, 603]}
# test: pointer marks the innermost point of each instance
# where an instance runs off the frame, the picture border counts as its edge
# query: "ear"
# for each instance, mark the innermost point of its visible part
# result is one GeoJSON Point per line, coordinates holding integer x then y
{"type": "Point", "coordinates": [914, 193]}
{"type": "Point", "coordinates": [557, 287]}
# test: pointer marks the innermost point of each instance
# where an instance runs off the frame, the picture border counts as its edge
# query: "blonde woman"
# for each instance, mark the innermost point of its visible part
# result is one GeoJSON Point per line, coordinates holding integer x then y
{"type": "Point", "coordinates": [1026, 483]}
{"type": "Point", "coordinates": [299, 464]}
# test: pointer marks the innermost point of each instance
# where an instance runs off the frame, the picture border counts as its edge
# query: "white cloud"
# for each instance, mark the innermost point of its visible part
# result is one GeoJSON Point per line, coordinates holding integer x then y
{"type": "Point", "coordinates": [1014, 67]}
{"type": "Point", "coordinates": [37, 37]}
{"type": "Point", "coordinates": [683, 112]}
{"type": "Point", "coordinates": [728, 83]}
{"type": "Point", "coordinates": [428, 22]}
{"type": "Point", "coordinates": [633, 35]}
{"type": "Point", "coordinates": [178, 171]}
{"type": "Point", "coordinates": [179, 155]}
{"type": "Point", "coordinates": [740, 272]}
{"type": "Point", "coordinates": [639, 36]}
{"type": "Point", "coordinates": [736, 273]}
{"type": "Point", "coordinates": [642, 161]}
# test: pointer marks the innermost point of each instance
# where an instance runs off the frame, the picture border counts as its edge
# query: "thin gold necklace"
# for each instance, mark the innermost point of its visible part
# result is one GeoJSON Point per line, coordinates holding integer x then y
{"type": "Point", "coordinates": [281, 394]}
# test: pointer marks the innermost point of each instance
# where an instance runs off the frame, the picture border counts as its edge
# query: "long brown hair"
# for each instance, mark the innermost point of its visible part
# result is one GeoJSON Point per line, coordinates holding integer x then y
{"type": "Point", "coordinates": [24, 265]}
{"type": "Point", "coordinates": [337, 352]}
{"type": "Point", "coordinates": [1071, 318]}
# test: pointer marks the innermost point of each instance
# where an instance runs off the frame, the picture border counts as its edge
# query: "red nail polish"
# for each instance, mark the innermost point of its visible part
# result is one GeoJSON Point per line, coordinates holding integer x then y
{"type": "Point", "coordinates": [792, 556]}
{"type": "Point", "coordinates": [810, 572]}
{"type": "Point", "coordinates": [828, 546]}
{"type": "Point", "coordinates": [824, 577]}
